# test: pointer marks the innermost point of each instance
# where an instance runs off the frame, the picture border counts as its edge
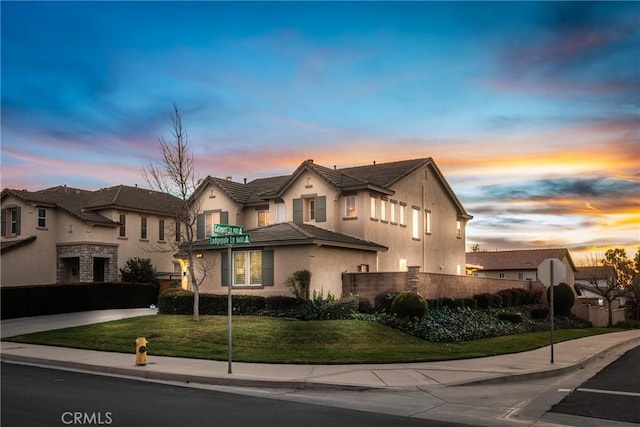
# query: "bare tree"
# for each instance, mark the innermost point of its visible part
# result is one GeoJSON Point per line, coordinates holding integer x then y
{"type": "Point", "coordinates": [175, 174]}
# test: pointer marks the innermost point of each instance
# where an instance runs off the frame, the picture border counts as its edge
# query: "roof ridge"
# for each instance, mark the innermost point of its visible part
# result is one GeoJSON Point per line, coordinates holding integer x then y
{"type": "Point", "coordinates": [298, 228]}
{"type": "Point", "coordinates": [115, 197]}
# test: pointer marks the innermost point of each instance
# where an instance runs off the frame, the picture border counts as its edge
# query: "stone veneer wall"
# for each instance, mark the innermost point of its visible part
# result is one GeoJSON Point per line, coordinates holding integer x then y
{"type": "Point", "coordinates": [429, 285]}
{"type": "Point", "coordinates": [86, 252]}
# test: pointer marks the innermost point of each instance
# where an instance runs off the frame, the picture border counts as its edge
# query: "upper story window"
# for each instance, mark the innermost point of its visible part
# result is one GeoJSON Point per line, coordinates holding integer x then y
{"type": "Point", "coordinates": [161, 229]}
{"type": "Point", "coordinates": [393, 206]}
{"type": "Point", "coordinates": [415, 217]}
{"type": "Point", "coordinates": [263, 217]}
{"type": "Point", "coordinates": [178, 231]}
{"type": "Point", "coordinates": [143, 227]}
{"type": "Point", "coordinates": [311, 209]}
{"type": "Point", "coordinates": [459, 229]}
{"type": "Point", "coordinates": [427, 222]}
{"type": "Point", "coordinates": [11, 221]}
{"type": "Point", "coordinates": [123, 225]}
{"type": "Point", "coordinates": [42, 218]}
{"type": "Point", "coordinates": [210, 219]}
{"type": "Point", "coordinates": [350, 207]}
{"type": "Point", "coordinates": [402, 214]}
{"type": "Point", "coordinates": [383, 210]}
{"type": "Point", "coordinates": [374, 208]}
{"type": "Point", "coordinates": [281, 215]}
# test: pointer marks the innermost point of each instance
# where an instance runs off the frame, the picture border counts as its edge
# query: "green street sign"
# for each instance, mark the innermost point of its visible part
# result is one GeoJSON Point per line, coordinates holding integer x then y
{"type": "Point", "coordinates": [227, 229]}
{"type": "Point", "coordinates": [238, 239]}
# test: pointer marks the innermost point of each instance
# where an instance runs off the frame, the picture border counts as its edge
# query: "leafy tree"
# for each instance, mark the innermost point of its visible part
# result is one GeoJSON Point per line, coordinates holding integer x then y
{"type": "Point", "coordinates": [139, 270]}
{"type": "Point", "coordinates": [299, 282]}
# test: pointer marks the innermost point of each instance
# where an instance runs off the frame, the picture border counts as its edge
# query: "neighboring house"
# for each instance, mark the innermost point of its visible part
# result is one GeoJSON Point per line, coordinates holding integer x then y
{"type": "Point", "coordinates": [63, 234]}
{"type": "Point", "coordinates": [379, 217]}
{"type": "Point", "coordinates": [518, 264]}
{"type": "Point", "coordinates": [588, 278]}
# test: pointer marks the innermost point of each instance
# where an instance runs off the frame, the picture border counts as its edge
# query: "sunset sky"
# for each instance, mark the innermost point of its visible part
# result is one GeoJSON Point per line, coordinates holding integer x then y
{"type": "Point", "coordinates": [531, 110]}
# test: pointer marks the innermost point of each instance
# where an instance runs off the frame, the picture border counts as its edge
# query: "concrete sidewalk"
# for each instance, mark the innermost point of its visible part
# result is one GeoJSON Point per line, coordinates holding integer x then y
{"type": "Point", "coordinates": [569, 355]}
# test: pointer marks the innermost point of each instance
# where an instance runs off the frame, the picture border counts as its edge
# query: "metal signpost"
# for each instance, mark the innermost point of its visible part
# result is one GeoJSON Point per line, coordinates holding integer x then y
{"type": "Point", "coordinates": [554, 270]}
{"type": "Point", "coordinates": [229, 235]}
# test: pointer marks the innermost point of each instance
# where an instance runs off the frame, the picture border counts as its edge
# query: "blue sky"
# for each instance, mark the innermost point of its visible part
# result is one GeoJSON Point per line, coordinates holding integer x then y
{"type": "Point", "coordinates": [529, 109]}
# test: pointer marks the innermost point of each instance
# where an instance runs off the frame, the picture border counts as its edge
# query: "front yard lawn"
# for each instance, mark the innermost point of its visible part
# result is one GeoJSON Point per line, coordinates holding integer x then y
{"type": "Point", "coordinates": [278, 340]}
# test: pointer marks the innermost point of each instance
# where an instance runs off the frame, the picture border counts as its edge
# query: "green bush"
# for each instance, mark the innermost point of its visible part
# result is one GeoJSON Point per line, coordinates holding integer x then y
{"type": "Point", "coordinates": [340, 309]}
{"type": "Point", "coordinates": [484, 300]}
{"type": "Point", "coordinates": [382, 302]}
{"type": "Point", "coordinates": [510, 316]}
{"type": "Point", "coordinates": [539, 312]}
{"type": "Point", "coordinates": [628, 324]}
{"type": "Point", "coordinates": [563, 299]}
{"type": "Point", "coordinates": [409, 304]}
{"type": "Point", "coordinates": [139, 270]}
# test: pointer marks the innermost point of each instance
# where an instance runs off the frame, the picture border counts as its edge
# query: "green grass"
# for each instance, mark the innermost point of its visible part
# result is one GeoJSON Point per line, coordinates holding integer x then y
{"type": "Point", "coordinates": [277, 340]}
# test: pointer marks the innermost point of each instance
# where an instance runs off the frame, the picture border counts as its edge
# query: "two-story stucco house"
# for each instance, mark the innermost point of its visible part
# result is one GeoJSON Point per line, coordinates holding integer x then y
{"type": "Point", "coordinates": [63, 234]}
{"type": "Point", "coordinates": [378, 217]}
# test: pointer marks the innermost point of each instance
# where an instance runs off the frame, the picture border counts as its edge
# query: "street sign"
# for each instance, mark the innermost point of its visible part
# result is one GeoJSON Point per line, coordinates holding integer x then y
{"type": "Point", "coordinates": [238, 239]}
{"type": "Point", "coordinates": [227, 229]}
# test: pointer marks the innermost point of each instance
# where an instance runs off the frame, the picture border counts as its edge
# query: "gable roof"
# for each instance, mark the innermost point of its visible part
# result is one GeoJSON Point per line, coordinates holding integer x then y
{"type": "Point", "coordinates": [9, 245]}
{"type": "Point", "coordinates": [378, 177]}
{"type": "Point", "coordinates": [524, 259]}
{"type": "Point", "coordinates": [85, 204]}
{"type": "Point", "coordinates": [289, 233]}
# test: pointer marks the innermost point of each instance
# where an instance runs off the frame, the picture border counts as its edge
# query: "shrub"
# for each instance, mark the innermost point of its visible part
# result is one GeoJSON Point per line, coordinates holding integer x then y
{"type": "Point", "coordinates": [628, 324]}
{"type": "Point", "coordinates": [409, 304]}
{"type": "Point", "coordinates": [139, 270]}
{"type": "Point", "coordinates": [340, 309]}
{"type": "Point", "coordinates": [563, 299]}
{"type": "Point", "coordinates": [299, 282]}
{"type": "Point", "coordinates": [539, 312]}
{"type": "Point", "coordinates": [510, 316]}
{"type": "Point", "coordinates": [382, 302]}
{"type": "Point", "coordinates": [280, 303]}
{"type": "Point", "coordinates": [483, 300]}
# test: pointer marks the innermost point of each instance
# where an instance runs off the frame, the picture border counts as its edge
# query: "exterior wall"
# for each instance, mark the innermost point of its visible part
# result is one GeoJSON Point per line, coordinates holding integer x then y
{"type": "Point", "coordinates": [438, 251]}
{"type": "Point", "coordinates": [82, 258]}
{"type": "Point", "coordinates": [327, 265]}
{"type": "Point", "coordinates": [509, 274]}
{"type": "Point", "coordinates": [430, 286]}
{"type": "Point", "coordinates": [599, 315]}
{"type": "Point", "coordinates": [309, 185]}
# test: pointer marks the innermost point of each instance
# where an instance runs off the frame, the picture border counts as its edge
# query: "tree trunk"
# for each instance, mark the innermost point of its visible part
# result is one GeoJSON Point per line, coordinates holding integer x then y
{"type": "Point", "coordinates": [610, 323]}
{"type": "Point", "coordinates": [195, 287]}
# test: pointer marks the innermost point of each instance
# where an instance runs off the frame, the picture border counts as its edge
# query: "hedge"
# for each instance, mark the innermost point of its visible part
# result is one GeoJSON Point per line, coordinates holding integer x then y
{"type": "Point", "coordinates": [40, 300]}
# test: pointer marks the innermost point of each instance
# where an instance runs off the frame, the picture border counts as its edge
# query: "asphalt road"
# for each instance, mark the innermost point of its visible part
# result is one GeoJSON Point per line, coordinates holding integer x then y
{"type": "Point", "coordinates": [33, 396]}
{"type": "Point", "coordinates": [612, 394]}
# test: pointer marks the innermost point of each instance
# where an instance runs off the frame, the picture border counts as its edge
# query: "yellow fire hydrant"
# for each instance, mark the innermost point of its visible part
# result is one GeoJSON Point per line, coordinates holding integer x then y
{"type": "Point", "coordinates": [141, 351]}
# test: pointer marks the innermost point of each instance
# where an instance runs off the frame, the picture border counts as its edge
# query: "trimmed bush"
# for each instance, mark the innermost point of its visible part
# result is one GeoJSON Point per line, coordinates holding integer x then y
{"type": "Point", "coordinates": [510, 316]}
{"type": "Point", "coordinates": [382, 302]}
{"type": "Point", "coordinates": [628, 324]}
{"type": "Point", "coordinates": [340, 309]}
{"type": "Point", "coordinates": [563, 299]}
{"type": "Point", "coordinates": [539, 313]}
{"type": "Point", "coordinates": [483, 300]}
{"type": "Point", "coordinates": [409, 304]}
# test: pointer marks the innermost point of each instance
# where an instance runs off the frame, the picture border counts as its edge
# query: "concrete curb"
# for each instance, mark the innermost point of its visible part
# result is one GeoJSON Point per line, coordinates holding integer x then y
{"type": "Point", "coordinates": [146, 373]}
{"type": "Point", "coordinates": [581, 364]}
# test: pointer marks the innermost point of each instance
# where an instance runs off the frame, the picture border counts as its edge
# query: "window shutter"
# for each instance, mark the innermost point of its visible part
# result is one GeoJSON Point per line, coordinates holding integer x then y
{"type": "Point", "coordinates": [4, 222]}
{"type": "Point", "coordinates": [321, 209]}
{"type": "Point", "coordinates": [224, 268]}
{"type": "Point", "coordinates": [18, 218]}
{"type": "Point", "coordinates": [267, 268]}
{"type": "Point", "coordinates": [224, 217]}
{"type": "Point", "coordinates": [297, 211]}
{"type": "Point", "coordinates": [200, 226]}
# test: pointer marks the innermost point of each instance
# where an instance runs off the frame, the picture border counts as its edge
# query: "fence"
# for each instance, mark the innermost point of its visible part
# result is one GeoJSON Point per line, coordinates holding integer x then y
{"type": "Point", "coordinates": [429, 285]}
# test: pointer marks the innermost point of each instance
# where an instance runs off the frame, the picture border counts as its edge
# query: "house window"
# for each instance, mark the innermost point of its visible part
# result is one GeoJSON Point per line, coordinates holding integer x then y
{"type": "Point", "coordinates": [383, 210]}
{"type": "Point", "coordinates": [501, 275]}
{"type": "Point", "coordinates": [280, 213]}
{"type": "Point", "coordinates": [263, 218]}
{"type": "Point", "coordinates": [123, 225]}
{"type": "Point", "coordinates": [247, 268]}
{"type": "Point", "coordinates": [178, 231]}
{"type": "Point", "coordinates": [458, 229]}
{"type": "Point", "coordinates": [392, 212]}
{"type": "Point", "coordinates": [402, 214]}
{"type": "Point", "coordinates": [415, 217]}
{"type": "Point", "coordinates": [11, 221]}
{"type": "Point", "coordinates": [374, 214]}
{"type": "Point", "coordinates": [143, 227]}
{"type": "Point", "coordinates": [211, 218]}
{"type": "Point", "coordinates": [42, 218]}
{"type": "Point", "coordinates": [161, 229]}
{"type": "Point", "coordinates": [350, 207]}
{"type": "Point", "coordinates": [427, 222]}
{"type": "Point", "coordinates": [311, 209]}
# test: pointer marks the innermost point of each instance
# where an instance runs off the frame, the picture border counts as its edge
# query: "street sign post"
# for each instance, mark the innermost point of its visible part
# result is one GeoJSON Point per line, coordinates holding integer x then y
{"type": "Point", "coordinates": [229, 235]}
{"type": "Point", "coordinates": [556, 272]}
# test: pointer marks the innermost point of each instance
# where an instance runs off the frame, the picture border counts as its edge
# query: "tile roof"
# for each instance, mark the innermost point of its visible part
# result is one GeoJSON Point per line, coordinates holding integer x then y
{"type": "Point", "coordinates": [14, 244]}
{"type": "Point", "coordinates": [85, 204]}
{"type": "Point", "coordinates": [289, 233]}
{"type": "Point", "coordinates": [525, 259]}
{"type": "Point", "coordinates": [378, 177]}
